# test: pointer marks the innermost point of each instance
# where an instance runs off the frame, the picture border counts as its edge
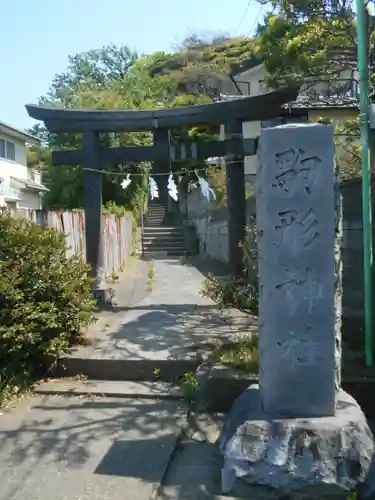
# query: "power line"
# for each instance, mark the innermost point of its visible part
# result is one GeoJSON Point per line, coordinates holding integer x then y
{"type": "Point", "coordinates": [256, 19]}
{"type": "Point", "coordinates": [151, 174]}
{"type": "Point", "coordinates": [244, 15]}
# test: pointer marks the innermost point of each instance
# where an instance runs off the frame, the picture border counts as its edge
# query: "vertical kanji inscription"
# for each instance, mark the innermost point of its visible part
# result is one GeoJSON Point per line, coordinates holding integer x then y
{"type": "Point", "coordinates": [297, 216]}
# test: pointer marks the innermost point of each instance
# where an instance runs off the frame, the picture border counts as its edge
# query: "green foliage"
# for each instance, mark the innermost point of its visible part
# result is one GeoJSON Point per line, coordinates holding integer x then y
{"type": "Point", "coordinates": [113, 209]}
{"type": "Point", "coordinates": [189, 386]}
{"type": "Point", "coordinates": [98, 79]}
{"type": "Point", "coordinates": [202, 65]}
{"type": "Point", "coordinates": [117, 78]}
{"type": "Point", "coordinates": [45, 301]}
{"type": "Point", "coordinates": [305, 42]}
{"type": "Point", "coordinates": [151, 275]}
{"type": "Point", "coordinates": [302, 42]}
{"type": "Point", "coordinates": [308, 40]}
{"type": "Point", "coordinates": [348, 149]}
{"type": "Point", "coordinates": [235, 292]}
{"type": "Point", "coordinates": [347, 146]}
{"type": "Point", "coordinates": [241, 355]}
{"type": "Point", "coordinates": [241, 293]}
{"type": "Point", "coordinates": [92, 69]}
{"type": "Point", "coordinates": [218, 180]}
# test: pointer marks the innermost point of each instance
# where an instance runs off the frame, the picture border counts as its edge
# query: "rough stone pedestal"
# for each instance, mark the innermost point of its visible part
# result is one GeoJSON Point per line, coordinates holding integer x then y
{"type": "Point", "coordinates": [304, 458]}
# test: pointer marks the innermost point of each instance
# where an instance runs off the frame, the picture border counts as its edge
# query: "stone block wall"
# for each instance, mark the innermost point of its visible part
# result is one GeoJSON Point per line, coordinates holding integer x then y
{"type": "Point", "coordinates": [213, 238]}
{"type": "Point", "coordinates": [211, 226]}
{"type": "Point", "coordinates": [353, 248]}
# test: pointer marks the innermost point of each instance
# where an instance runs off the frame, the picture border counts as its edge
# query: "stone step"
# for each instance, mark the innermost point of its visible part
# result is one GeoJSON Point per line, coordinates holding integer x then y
{"type": "Point", "coordinates": [110, 389]}
{"type": "Point", "coordinates": [164, 246]}
{"type": "Point", "coordinates": [159, 252]}
{"type": "Point", "coordinates": [163, 236]}
{"type": "Point", "coordinates": [138, 370]}
{"type": "Point", "coordinates": [162, 253]}
{"type": "Point", "coordinates": [157, 247]}
{"type": "Point", "coordinates": [162, 242]}
{"type": "Point", "coordinates": [163, 228]}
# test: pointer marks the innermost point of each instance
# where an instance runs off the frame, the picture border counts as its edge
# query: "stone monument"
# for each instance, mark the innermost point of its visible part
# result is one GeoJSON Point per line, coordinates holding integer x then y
{"type": "Point", "coordinates": [297, 434]}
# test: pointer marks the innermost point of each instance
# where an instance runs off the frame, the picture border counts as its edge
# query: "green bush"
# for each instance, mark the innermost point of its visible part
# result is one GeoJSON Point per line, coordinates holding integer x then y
{"type": "Point", "coordinates": [241, 292]}
{"type": "Point", "coordinates": [235, 292]}
{"type": "Point", "coordinates": [45, 301]}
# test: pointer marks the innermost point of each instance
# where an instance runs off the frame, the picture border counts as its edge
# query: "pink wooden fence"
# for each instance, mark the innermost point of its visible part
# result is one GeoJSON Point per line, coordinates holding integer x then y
{"type": "Point", "coordinates": [118, 234]}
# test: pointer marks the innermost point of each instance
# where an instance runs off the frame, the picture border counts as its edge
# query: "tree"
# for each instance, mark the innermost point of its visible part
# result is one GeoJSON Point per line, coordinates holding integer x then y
{"type": "Point", "coordinates": [94, 69]}
{"type": "Point", "coordinates": [98, 79]}
{"type": "Point", "coordinates": [305, 42]}
{"type": "Point", "coordinates": [117, 78]}
{"type": "Point", "coordinates": [205, 65]}
{"type": "Point", "coordinates": [308, 40]}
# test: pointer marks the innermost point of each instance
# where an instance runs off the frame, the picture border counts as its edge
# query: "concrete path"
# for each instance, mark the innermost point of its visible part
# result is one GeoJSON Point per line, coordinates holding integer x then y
{"type": "Point", "coordinates": [171, 321]}
{"type": "Point", "coordinates": [88, 440]}
{"type": "Point", "coordinates": [71, 448]}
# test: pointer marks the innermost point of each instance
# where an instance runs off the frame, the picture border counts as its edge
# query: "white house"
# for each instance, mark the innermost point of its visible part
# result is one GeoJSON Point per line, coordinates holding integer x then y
{"type": "Point", "coordinates": [20, 187]}
{"type": "Point", "coordinates": [336, 99]}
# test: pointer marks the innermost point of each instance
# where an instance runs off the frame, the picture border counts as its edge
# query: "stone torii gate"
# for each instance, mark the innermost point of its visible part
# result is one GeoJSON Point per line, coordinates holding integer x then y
{"type": "Point", "coordinates": [93, 156]}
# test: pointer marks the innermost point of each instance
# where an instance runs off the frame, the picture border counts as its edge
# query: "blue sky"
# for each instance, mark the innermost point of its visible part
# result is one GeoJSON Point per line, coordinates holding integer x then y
{"type": "Point", "coordinates": [37, 37]}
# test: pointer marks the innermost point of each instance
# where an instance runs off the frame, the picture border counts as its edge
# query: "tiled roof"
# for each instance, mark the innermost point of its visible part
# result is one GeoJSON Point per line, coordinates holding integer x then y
{"type": "Point", "coordinates": [339, 101]}
{"type": "Point", "coordinates": [311, 102]}
{"type": "Point", "coordinates": [5, 128]}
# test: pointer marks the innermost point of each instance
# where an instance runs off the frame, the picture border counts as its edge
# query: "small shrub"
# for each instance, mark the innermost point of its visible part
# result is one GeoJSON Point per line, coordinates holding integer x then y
{"type": "Point", "coordinates": [45, 301]}
{"type": "Point", "coordinates": [151, 275]}
{"type": "Point", "coordinates": [189, 386]}
{"type": "Point", "coordinates": [241, 355]}
{"type": "Point", "coordinates": [233, 293]}
{"type": "Point", "coordinates": [241, 293]}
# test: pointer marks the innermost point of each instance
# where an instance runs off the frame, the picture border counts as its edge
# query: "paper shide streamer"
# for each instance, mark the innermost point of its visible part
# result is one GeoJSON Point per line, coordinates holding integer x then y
{"type": "Point", "coordinates": [172, 188]}
{"type": "Point", "coordinates": [206, 189]}
{"type": "Point", "coordinates": [126, 182]}
{"type": "Point", "coordinates": [153, 188]}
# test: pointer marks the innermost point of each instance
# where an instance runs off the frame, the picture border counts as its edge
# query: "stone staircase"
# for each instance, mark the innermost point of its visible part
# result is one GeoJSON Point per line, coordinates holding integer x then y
{"type": "Point", "coordinates": [160, 237]}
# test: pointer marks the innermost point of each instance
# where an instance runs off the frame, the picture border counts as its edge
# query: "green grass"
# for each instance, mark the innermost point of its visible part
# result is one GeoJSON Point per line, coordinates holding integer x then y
{"type": "Point", "coordinates": [151, 275]}
{"type": "Point", "coordinates": [241, 355]}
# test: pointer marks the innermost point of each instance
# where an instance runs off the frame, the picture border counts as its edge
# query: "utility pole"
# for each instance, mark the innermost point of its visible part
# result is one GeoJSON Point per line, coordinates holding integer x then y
{"type": "Point", "coordinates": [364, 105]}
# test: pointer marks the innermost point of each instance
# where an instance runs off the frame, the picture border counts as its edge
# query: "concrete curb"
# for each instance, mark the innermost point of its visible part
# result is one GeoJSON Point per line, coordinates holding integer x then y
{"type": "Point", "coordinates": [120, 390]}
{"type": "Point", "coordinates": [223, 386]}
{"type": "Point", "coordinates": [125, 369]}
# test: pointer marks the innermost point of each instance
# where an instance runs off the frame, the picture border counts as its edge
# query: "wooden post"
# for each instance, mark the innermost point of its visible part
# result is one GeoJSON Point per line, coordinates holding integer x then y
{"type": "Point", "coordinates": [93, 213]}
{"type": "Point", "coordinates": [162, 142]}
{"type": "Point", "coordinates": [236, 196]}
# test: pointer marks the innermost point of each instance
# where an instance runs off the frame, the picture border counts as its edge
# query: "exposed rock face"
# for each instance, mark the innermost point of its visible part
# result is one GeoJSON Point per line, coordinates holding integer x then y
{"type": "Point", "coordinates": [304, 458]}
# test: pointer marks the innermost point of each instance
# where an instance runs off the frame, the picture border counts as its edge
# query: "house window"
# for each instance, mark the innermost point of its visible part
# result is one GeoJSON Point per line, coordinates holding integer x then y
{"type": "Point", "coordinates": [7, 150]}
